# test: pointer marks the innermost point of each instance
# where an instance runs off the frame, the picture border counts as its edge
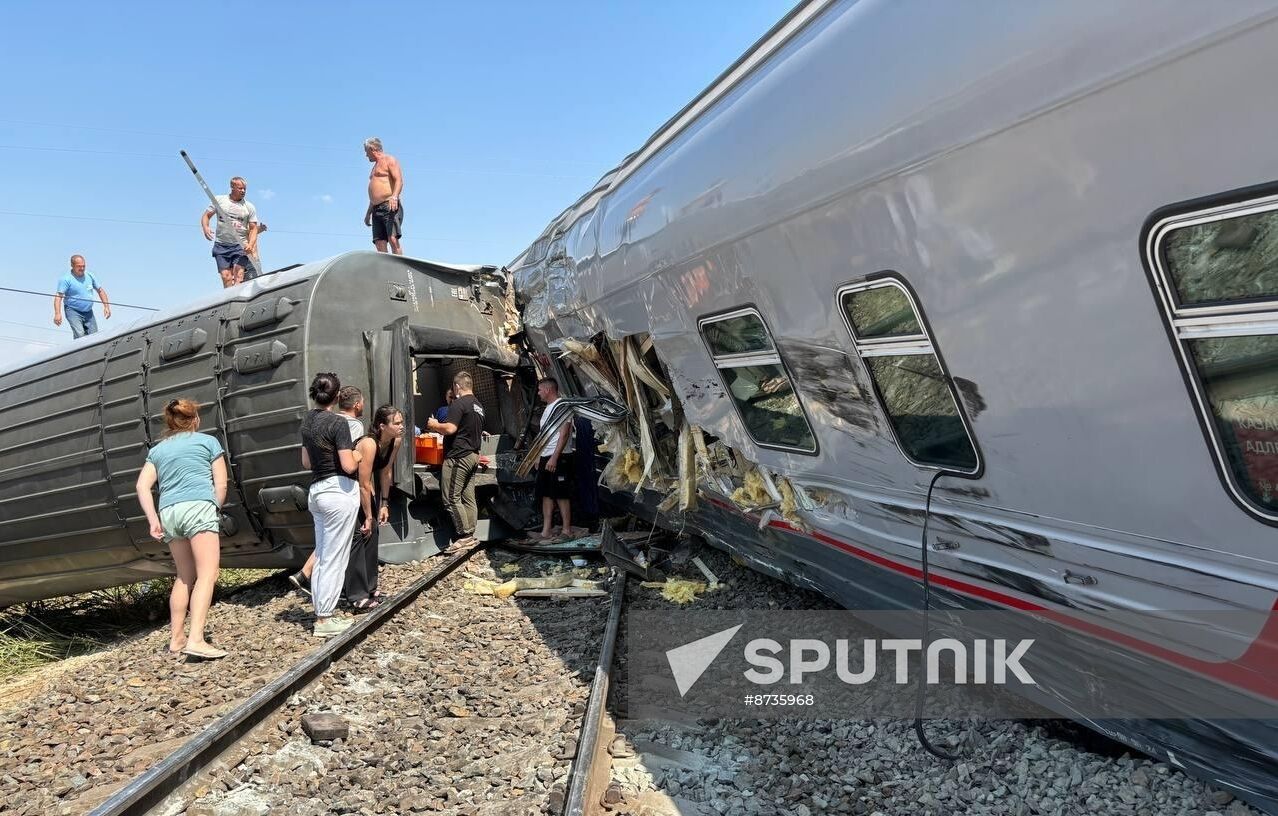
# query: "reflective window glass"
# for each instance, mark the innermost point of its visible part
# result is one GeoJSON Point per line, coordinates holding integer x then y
{"type": "Point", "coordinates": [883, 311]}
{"type": "Point", "coordinates": [921, 408]}
{"type": "Point", "coordinates": [1240, 375]}
{"type": "Point", "coordinates": [1223, 261]}
{"type": "Point", "coordinates": [769, 405]}
{"type": "Point", "coordinates": [735, 335]}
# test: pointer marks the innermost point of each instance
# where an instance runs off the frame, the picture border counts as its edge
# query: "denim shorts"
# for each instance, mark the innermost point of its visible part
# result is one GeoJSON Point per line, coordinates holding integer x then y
{"type": "Point", "coordinates": [228, 255]}
{"type": "Point", "coordinates": [185, 519]}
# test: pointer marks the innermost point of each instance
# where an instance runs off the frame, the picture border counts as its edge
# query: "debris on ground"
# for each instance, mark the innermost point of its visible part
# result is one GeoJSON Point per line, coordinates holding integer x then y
{"type": "Point", "coordinates": [711, 578]}
{"type": "Point", "coordinates": [677, 590]}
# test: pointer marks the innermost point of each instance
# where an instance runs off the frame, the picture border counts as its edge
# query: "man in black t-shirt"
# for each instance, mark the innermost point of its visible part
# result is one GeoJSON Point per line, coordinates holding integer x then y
{"type": "Point", "coordinates": [463, 431]}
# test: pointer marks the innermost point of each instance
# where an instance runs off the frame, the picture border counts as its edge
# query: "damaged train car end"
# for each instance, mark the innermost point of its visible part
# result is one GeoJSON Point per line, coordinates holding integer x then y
{"type": "Point", "coordinates": [979, 300]}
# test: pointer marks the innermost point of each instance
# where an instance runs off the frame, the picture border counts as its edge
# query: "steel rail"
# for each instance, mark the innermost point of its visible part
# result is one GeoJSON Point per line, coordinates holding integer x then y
{"type": "Point", "coordinates": [587, 746]}
{"type": "Point", "coordinates": [148, 790]}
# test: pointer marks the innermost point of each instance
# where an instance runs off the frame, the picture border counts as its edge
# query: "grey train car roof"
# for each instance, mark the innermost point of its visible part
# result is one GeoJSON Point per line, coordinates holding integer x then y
{"type": "Point", "coordinates": [75, 424]}
{"type": "Point", "coordinates": [1002, 159]}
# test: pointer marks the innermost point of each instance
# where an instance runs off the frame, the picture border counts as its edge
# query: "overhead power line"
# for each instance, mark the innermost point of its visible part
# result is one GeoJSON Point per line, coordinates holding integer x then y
{"type": "Point", "coordinates": [27, 340]}
{"type": "Point", "coordinates": [285, 162]}
{"type": "Point", "coordinates": [114, 305]}
{"type": "Point", "coordinates": [32, 326]}
{"type": "Point", "coordinates": [191, 138]}
{"type": "Point", "coordinates": [192, 225]}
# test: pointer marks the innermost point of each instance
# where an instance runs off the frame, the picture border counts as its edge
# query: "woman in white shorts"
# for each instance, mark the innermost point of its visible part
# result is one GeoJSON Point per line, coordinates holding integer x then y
{"type": "Point", "coordinates": [191, 470]}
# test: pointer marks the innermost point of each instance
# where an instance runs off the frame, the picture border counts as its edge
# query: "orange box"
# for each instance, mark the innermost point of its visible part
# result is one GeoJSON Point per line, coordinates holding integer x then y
{"type": "Point", "coordinates": [428, 450]}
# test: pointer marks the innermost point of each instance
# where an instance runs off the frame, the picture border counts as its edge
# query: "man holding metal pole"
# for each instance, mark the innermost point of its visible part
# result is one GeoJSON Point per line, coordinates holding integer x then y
{"type": "Point", "coordinates": [236, 237]}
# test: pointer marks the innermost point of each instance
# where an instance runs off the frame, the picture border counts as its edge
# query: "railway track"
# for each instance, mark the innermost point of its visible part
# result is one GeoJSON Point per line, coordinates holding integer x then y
{"type": "Point", "coordinates": [419, 723]}
{"type": "Point", "coordinates": [804, 765]}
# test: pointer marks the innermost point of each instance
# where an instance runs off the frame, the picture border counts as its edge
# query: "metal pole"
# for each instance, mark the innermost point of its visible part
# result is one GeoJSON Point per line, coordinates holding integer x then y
{"type": "Point", "coordinates": [221, 216]}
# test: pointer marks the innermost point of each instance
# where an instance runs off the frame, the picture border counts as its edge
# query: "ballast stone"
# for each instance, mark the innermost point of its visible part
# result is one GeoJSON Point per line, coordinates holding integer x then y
{"type": "Point", "coordinates": [325, 726]}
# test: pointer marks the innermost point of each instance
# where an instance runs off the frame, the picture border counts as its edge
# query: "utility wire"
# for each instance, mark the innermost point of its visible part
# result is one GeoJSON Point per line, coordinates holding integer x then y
{"type": "Point", "coordinates": [32, 326]}
{"type": "Point", "coordinates": [27, 340]}
{"type": "Point", "coordinates": [114, 305]}
{"type": "Point", "coordinates": [193, 225]}
{"type": "Point", "coordinates": [286, 162]}
{"type": "Point", "coordinates": [187, 137]}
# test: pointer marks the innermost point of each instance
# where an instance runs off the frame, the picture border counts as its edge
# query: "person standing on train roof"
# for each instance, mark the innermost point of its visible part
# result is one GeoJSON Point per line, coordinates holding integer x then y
{"type": "Point", "coordinates": [191, 470]}
{"type": "Point", "coordinates": [74, 298]}
{"type": "Point", "coordinates": [329, 453]}
{"type": "Point", "coordinates": [236, 236]}
{"type": "Point", "coordinates": [385, 213]}
{"type": "Point", "coordinates": [463, 433]}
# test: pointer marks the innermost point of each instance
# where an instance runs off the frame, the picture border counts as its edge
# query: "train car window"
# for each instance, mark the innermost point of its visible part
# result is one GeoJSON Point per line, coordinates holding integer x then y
{"type": "Point", "coordinates": [1216, 276]}
{"type": "Point", "coordinates": [909, 380]}
{"type": "Point", "coordinates": [882, 311]}
{"type": "Point", "coordinates": [1224, 260]}
{"type": "Point", "coordinates": [736, 335]}
{"type": "Point", "coordinates": [756, 379]}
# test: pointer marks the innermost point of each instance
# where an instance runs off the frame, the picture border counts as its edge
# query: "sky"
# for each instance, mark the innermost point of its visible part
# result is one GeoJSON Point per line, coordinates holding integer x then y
{"type": "Point", "coordinates": [501, 114]}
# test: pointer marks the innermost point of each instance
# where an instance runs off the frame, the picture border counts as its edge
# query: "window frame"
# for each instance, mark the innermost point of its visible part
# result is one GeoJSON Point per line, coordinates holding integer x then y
{"type": "Point", "coordinates": [904, 346]}
{"type": "Point", "coordinates": [1249, 317]}
{"type": "Point", "coordinates": [750, 358]}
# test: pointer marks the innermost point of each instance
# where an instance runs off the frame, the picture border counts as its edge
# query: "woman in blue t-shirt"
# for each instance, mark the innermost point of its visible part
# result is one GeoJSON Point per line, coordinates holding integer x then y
{"type": "Point", "coordinates": [191, 470]}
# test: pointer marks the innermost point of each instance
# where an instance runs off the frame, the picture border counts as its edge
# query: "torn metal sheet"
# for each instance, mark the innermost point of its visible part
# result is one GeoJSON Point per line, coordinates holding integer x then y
{"type": "Point", "coordinates": [586, 359]}
{"type": "Point", "coordinates": [636, 364]}
{"type": "Point", "coordinates": [600, 410]}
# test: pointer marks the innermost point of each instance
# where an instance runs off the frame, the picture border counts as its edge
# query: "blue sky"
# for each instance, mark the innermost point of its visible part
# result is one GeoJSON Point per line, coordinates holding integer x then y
{"type": "Point", "coordinates": [501, 113]}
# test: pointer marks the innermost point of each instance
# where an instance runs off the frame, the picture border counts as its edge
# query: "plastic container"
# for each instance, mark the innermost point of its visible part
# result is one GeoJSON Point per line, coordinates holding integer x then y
{"type": "Point", "coordinates": [428, 449]}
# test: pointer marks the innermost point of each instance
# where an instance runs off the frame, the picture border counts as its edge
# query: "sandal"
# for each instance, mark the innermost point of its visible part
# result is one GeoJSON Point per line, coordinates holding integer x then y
{"type": "Point", "coordinates": [211, 654]}
{"type": "Point", "coordinates": [367, 605]}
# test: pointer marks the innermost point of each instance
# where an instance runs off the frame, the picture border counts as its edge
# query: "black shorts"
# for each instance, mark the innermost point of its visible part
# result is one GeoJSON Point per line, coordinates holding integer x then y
{"type": "Point", "coordinates": [557, 485]}
{"type": "Point", "coordinates": [387, 223]}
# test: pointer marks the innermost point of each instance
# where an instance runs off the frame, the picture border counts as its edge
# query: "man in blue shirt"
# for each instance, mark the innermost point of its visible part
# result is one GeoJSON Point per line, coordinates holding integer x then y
{"type": "Point", "coordinates": [75, 299]}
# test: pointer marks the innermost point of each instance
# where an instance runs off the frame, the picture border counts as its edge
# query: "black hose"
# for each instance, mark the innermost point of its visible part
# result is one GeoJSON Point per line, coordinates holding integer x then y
{"type": "Point", "coordinates": [927, 634]}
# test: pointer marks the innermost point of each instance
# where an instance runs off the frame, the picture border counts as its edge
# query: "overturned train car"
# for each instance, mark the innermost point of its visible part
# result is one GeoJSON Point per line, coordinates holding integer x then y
{"type": "Point", "coordinates": [889, 243]}
{"type": "Point", "coordinates": [75, 425]}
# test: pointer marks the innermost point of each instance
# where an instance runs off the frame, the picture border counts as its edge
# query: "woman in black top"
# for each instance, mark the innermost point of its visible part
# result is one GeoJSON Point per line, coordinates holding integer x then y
{"type": "Point", "coordinates": [327, 450]}
{"type": "Point", "coordinates": [376, 451]}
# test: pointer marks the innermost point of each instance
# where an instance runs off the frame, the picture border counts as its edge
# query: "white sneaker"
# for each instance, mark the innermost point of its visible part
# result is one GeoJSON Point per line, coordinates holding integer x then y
{"type": "Point", "coordinates": [332, 625]}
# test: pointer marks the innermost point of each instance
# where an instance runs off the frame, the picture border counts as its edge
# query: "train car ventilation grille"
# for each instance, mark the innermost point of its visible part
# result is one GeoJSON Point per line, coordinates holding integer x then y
{"type": "Point", "coordinates": [260, 356]}
{"type": "Point", "coordinates": [266, 313]}
{"type": "Point", "coordinates": [286, 499]}
{"type": "Point", "coordinates": [183, 343]}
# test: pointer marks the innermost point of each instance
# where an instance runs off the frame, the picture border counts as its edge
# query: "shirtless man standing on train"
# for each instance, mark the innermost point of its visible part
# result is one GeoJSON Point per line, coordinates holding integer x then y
{"type": "Point", "coordinates": [385, 214]}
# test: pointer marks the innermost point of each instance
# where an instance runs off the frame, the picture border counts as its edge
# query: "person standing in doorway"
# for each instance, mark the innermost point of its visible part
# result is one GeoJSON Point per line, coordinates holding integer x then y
{"type": "Point", "coordinates": [441, 413]}
{"type": "Point", "coordinates": [75, 299]}
{"type": "Point", "coordinates": [463, 433]}
{"type": "Point", "coordinates": [329, 453]}
{"type": "Point", "coordinates": [385, 213]}
{"type": "Point", "coordinates": [191, 470]}
{"type": "Point", "coordinates": [236, 236]}
{"type": "Point", "coordinates": [554, 468]}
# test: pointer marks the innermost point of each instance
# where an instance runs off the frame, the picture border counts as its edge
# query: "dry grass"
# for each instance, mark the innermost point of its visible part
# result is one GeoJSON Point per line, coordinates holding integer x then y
{"type": "Point", "coordinates": [43, 632]}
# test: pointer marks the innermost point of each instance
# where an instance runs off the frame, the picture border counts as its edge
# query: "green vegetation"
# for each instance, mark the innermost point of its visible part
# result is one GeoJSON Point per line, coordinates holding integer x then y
{"type": "Point", "coordinates": [42, 632]}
